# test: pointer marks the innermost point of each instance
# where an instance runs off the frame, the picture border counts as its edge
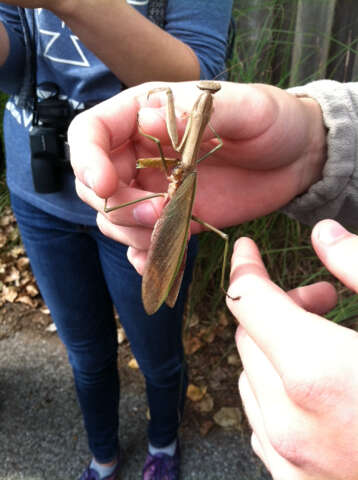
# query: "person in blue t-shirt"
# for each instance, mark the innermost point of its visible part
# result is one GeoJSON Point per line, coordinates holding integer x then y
{"type": "Point", "coordinates": [69, 55]}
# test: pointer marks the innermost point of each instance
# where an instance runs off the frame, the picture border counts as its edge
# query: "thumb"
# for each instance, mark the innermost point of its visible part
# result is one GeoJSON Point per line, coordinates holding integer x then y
{"type": "Point", "coordinates": [338, 250]}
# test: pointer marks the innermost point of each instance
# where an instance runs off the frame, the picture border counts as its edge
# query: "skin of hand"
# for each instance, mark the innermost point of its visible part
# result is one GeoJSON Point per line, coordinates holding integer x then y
{"type": "Point", "coordinates": [273, 149]}
{"type": "Point", "coordinates": [299, 385]}
{"type": "Point", "coordinates": [95, 22]}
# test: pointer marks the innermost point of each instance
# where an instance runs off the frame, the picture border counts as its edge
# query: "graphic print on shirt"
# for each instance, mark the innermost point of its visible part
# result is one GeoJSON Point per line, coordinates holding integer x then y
{"type": "Point", "coordinates": [138, 2]}
{"type": "Point", "coordinates": [59, 43]}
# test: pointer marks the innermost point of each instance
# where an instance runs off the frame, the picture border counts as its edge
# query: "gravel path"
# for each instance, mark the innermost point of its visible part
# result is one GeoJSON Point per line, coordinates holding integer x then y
{"type": "Point", "coordinates": [41, 432]}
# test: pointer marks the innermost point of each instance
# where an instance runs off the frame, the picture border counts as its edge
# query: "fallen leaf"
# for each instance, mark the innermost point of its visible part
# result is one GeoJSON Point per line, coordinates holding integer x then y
{"type": "Point", "coordinates": [228, 417]}
{"type": "Point", "coordinates": [32, 290]}
{"type": "Point", "coordinates": [133, 363]}
{"type": "Point", "coordinates": [192, 345]}
{"type": "Point", "coordinates": [51, 328]}
{"type": "Point", "coordinates": [22, 263]}
{"type": "Point", "coordinates": [12, 234]}
{"type": "Point", "coordinates": [121, 336]}
{"type": "Point", "coordinates": [196, 393]}
{"type": "Point", "coordinates": [206, 404]}
{"type": "Point", "coordinates": [13, 276]}
{"type": "Point", "coordinates": [26, 300]}
{"type": "Point", "coordinates": [9, 294]}
{"type": "Point", "coordinates": [3, 240]}
{"type": "Point", "coordinates": [205, 427]}
{"type": "Point", "coordinates": [17, 251]}
{"type": "Point", "coordinates": [233, 359]}
{"type": "Point", "coordinates": [26, 277]}
{"type": "Point", "coordinates": [223, 319]}
{"type": "Point", "coordinates": [5, 220]}
{"type": "Point", "coordinates": [209, 336]}
{"type": "Point", "coordinates": [194, 320]}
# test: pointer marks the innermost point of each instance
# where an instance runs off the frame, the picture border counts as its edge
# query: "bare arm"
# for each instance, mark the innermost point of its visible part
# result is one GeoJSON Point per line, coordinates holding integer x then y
{"type": "Point", "coordinates": [129, 44]}
{"type": "Point", "coordinates": [4, 44]}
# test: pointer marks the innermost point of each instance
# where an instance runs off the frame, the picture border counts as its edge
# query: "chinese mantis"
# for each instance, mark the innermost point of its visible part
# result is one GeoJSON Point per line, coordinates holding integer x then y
{"type": "Point", "coordinates": [165, 264]}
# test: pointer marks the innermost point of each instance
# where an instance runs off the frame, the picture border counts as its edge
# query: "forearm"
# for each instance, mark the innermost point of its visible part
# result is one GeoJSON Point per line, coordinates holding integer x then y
{"type": "Point", "coordinates": [132, 47]}
{"type": "Point", "coordinates": [12, 50]}
{"type": "Point", "coordinates": [4, 45]}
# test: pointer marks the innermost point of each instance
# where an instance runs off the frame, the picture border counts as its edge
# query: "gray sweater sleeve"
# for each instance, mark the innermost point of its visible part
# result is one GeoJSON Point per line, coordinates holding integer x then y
{"type": "Point", "coordinates": [336, 194]}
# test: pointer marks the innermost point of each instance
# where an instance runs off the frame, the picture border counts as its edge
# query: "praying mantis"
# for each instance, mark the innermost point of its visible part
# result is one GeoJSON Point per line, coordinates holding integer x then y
{"type": "Point", "coordinates": [165, 264]}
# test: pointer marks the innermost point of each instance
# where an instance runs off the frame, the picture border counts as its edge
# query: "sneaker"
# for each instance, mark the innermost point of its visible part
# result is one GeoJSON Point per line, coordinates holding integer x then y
{"type": "Point", "coordinates": [90, 474]}
{"type": "Point", "coordinates": [162, 466]}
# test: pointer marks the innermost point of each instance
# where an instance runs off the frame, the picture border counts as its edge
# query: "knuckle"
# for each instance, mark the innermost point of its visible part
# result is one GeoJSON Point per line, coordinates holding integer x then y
{"type": "Point", "coordinates": [305, 392]}
{"type": "Point", "coordinates": [291, 444]}
{"type": "Point", "coordinates": [313, 391]}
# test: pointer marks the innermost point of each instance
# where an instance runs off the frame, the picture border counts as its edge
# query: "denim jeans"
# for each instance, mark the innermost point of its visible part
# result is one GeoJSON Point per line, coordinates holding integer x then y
{"type": "Point", "coordinates": [81, 274]}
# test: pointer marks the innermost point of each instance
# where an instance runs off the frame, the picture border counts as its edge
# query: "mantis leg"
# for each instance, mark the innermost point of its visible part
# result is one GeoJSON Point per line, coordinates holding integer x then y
{"type": "Point", "coordinates": [117, 207]}
{"type": "Point", "coordinates": [226, 250]}
{"type": "Point", "coordinates": [157, 141]}
{"type": "Point", "coordinates": [170, 114]}
{"type": "Point", "coordinates": [217, 147]}
{"type": "Point", "coordinates": [171, 126]}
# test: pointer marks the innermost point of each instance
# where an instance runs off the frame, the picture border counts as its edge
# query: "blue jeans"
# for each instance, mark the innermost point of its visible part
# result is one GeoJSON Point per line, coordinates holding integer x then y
{"type": "Point", "coordinates": [81, 274]}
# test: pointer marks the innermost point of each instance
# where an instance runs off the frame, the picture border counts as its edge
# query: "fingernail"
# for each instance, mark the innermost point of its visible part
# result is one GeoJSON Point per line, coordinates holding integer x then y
{"type": "Point", "coordinates": [145, 215]}
{"type": "Point", "coordinates": [330, 232]}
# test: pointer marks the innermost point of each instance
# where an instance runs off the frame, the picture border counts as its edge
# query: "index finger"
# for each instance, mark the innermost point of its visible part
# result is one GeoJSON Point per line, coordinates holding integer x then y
{"type": "Point", "coordinates": [94, 134]}
{"type": "Point", "coordinates": [283, 330]}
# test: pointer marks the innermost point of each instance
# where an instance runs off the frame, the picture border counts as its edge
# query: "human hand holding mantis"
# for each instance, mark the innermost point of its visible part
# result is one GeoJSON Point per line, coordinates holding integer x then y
{"type": "Point", "coordinates": [273, 150]}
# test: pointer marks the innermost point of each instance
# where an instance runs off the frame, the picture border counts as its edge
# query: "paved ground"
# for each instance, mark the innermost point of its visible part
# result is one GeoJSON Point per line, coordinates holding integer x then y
{"type": "Point", "coordinates": [41, 432]}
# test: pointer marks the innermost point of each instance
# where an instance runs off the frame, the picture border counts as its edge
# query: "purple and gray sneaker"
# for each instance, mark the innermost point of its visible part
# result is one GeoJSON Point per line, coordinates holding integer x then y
{"type": "Point", "coordinates": [90, 474]}
{"type": "Point", "coordinates": [162, 466]}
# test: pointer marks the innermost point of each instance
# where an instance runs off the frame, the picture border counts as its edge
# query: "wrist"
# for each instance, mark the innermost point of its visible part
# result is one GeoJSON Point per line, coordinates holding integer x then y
{"type": "Point", "coordinates": [315, 154]}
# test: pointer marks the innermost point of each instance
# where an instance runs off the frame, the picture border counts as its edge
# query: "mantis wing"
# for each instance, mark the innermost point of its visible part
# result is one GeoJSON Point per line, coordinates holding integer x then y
{"type": "Point", "coordinates": [168, 245]}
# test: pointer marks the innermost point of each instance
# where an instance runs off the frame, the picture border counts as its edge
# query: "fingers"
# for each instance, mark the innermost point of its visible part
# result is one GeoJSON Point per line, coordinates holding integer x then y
{"type": "Point", "coordinates": [138, 237]}
{"type": "Point", "coordinates": [318, 298]}
{"type": "Point", "coordinates": [93, 135]}
{"type": "Point", "coordinates": [265, 384]}
{"type": "Point", "coordinates": [338, 250]}
{"type": "Point", "coordinates": [137, 258]}
{"type": "Point", "coordinates": [278, 326]}
{"type": "Point", "coordinates": [260, 445]}
{"type": "Point", "coordinates": [96, 134]}
{"type": "Point", "coordinates": [262, 439]}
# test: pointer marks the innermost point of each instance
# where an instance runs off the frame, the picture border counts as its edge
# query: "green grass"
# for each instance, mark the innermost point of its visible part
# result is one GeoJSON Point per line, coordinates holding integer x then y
{"type": "Point", "coordinates": [264, 55]}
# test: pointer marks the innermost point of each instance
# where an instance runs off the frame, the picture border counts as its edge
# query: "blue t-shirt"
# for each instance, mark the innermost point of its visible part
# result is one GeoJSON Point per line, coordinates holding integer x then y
{"type": "Point", "coordinates": [81, 77]}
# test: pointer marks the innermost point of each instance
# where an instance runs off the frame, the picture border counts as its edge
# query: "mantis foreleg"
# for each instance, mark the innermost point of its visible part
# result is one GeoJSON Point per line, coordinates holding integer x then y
{"type": "Point", "coordinates": [157, 141]}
